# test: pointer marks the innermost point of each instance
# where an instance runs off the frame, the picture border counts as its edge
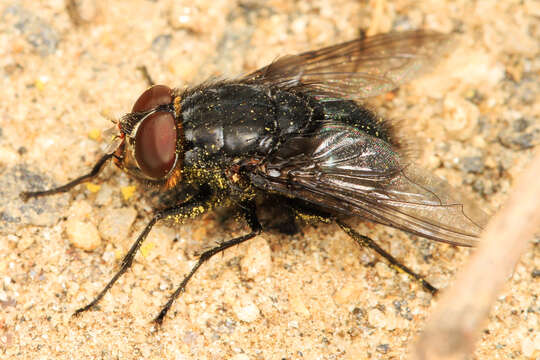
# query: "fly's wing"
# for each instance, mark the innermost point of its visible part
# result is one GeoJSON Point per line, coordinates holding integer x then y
{"type": "Point", "coordinates": [355, 69]}
{"type": "Point", "coordinates": [346, 171]}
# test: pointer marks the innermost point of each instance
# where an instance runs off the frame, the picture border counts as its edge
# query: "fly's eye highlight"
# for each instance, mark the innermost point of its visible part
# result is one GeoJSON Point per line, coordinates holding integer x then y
{"type": "Point", "coordinates": [155, 145]}
{"type": "Point", "coordinates": [153, 97]}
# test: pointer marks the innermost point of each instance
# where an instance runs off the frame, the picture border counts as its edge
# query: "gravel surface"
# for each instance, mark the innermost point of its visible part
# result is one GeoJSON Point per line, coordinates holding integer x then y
{"type": "Point", "coordinates": [66, 69]}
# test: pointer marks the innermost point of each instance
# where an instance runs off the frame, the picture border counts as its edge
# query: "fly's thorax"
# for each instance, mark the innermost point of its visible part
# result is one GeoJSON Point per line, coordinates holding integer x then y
{"type": "Point", "coordinates": [225, 120]}
{"type": "Point", "coordinates": [236, 119]}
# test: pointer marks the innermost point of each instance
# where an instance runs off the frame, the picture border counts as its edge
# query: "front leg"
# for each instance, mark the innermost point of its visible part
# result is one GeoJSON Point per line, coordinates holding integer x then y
{"type": "Point", "coordinates": [194, 207]}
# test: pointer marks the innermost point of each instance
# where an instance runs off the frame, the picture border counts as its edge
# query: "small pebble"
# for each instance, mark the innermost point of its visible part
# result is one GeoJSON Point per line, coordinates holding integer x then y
{"type": "Point", "coordinates": [196, 17]}
{"type": "Point", "coordinates": [24, 242]}
{"type": "Point", "coordinates": [82, 11]}
{"type": "Point", "coordinates": [384, 271]}
{"type": "Point", "coordinates": [36, 31]}
{"type": "Point", "coordinates": [183, 17]}
{"type": "Point", "coordinates": [257, 262]}
{"type": "Point", "coordinates": [293, 324]}
{"type": "Point", "coordinates": [104, 195]}
{"type": "Point", "coordinates": [161, 43]}
{"type": "Point", "coordinates": [138, 302]}
{"type": "Point", "coordinates": [519, 125]}
{"type": "Point", "coordinates": [528, 347]}
{"type": "Point", "coordinates": [116, 224]}
{"type": "Point", "coordinates": [383, 348]}
{"type": "Point", "coordinates": [158, 244]}
{"type": "Point", "coordinates": [472, 164]}
{"type": "Point", "coordinates": [460, 116]}
{"type": "Point", "coordinates": [240, 357]}
{"type": "Point", "coordinates": [519, 140]}
{"type": "Point", "coordinates": [83, 235]}
{"type": "Point", "coordinates": [348, 293]}
{"type": "Point", "coordinates": [80, 209]}
{"type": "Point", "coordinates": [8, 156]}
{"type": "Point", "coordinates": [297, 304]}
{"type": "Point", "coordinates": [377, 318]}
{"type": "Point", "coordinates": [246, 311]}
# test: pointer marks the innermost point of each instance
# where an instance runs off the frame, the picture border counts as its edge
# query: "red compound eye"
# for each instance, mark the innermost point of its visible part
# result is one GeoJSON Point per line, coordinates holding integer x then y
{"type": "Point", "coordinates": [155, 144]}
{"type": "Point", "coordinates": [152, 97]}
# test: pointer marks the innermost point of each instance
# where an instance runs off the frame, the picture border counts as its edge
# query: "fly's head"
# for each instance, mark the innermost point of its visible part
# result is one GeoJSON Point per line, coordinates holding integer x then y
{"type": "Point", "coordinates": [150, 143]}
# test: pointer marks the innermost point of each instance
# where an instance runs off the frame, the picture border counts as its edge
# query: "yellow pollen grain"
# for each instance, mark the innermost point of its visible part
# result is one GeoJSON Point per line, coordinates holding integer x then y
{"type": "Point", "coordinates": [94, 134]}
{"type": "Point", "coordinates": [93, 188]}
{"type": "Point", "coordinates": [146, 248]}
{"type": "Point", "coordinates": [221, 183]}
{"type": "Point", "coordinates": [128, 191]}
{"type": "Point", "coordinates": [40, 84]}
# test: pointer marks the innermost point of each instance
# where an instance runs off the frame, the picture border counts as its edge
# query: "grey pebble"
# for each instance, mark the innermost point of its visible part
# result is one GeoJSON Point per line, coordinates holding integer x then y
{"type": "Point", "coordinates": [14, 212]}
{"type": "Point", "coordinates": [161, 43]}
{"type": "Point", "coordinates": [472, 164]}
{"type": "Point", "coordinates": [41, 35]}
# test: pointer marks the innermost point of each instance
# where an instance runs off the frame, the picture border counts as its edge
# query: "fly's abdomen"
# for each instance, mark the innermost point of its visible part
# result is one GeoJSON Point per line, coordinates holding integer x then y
{"type": "Point", "coordinates": [351, 113]}
{"type": "Point", "coordinates": [294, 112]}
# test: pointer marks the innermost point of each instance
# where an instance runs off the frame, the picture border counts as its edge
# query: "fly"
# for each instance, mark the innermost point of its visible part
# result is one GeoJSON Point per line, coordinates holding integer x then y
{"type": "Point", "coordinates": [294, 132]}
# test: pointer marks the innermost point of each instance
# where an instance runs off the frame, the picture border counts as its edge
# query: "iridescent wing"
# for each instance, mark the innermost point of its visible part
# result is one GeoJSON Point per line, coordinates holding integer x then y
{"type": "Point", "coordinates": [356, 69]}
{"type": "Point", "coordinates": [348, 172]}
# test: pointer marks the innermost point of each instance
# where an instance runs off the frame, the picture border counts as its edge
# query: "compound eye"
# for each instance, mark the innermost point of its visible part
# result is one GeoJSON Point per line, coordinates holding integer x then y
{"type": "Point", "coordinates": [152, 97]}
{"type": "Point", "coordinates": [155, 145]}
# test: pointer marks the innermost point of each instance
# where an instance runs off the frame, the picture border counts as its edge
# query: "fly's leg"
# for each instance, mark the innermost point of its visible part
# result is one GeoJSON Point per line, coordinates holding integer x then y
{"type": "Point", "coordinates": [66, 187]}
{"type": "Point", "coordinates": [249, 213]}
{"type": "Point", "coordinates": [190, 209]}
{"type": "Point", "coordinates": [395, 264]}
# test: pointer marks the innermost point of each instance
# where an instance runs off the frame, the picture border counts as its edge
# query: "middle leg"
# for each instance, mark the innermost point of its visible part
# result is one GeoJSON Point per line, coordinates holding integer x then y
{"type": "Point", "coordinates": [365, 241]}
{"type": "Point", "coordinates": [249, 213]}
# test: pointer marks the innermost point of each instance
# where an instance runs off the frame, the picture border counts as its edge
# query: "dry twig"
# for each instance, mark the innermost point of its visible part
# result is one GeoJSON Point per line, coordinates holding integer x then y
{"type": "Point", "coordinates": [456, 324]}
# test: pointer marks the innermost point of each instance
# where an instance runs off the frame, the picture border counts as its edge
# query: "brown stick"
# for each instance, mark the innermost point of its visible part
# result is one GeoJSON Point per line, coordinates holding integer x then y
{"type": "Point", "coordinates": [455, 325]}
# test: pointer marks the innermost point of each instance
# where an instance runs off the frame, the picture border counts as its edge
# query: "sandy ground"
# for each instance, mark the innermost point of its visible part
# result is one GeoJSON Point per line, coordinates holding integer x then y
{"type": "Point", "coordinates": [314, 295]}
